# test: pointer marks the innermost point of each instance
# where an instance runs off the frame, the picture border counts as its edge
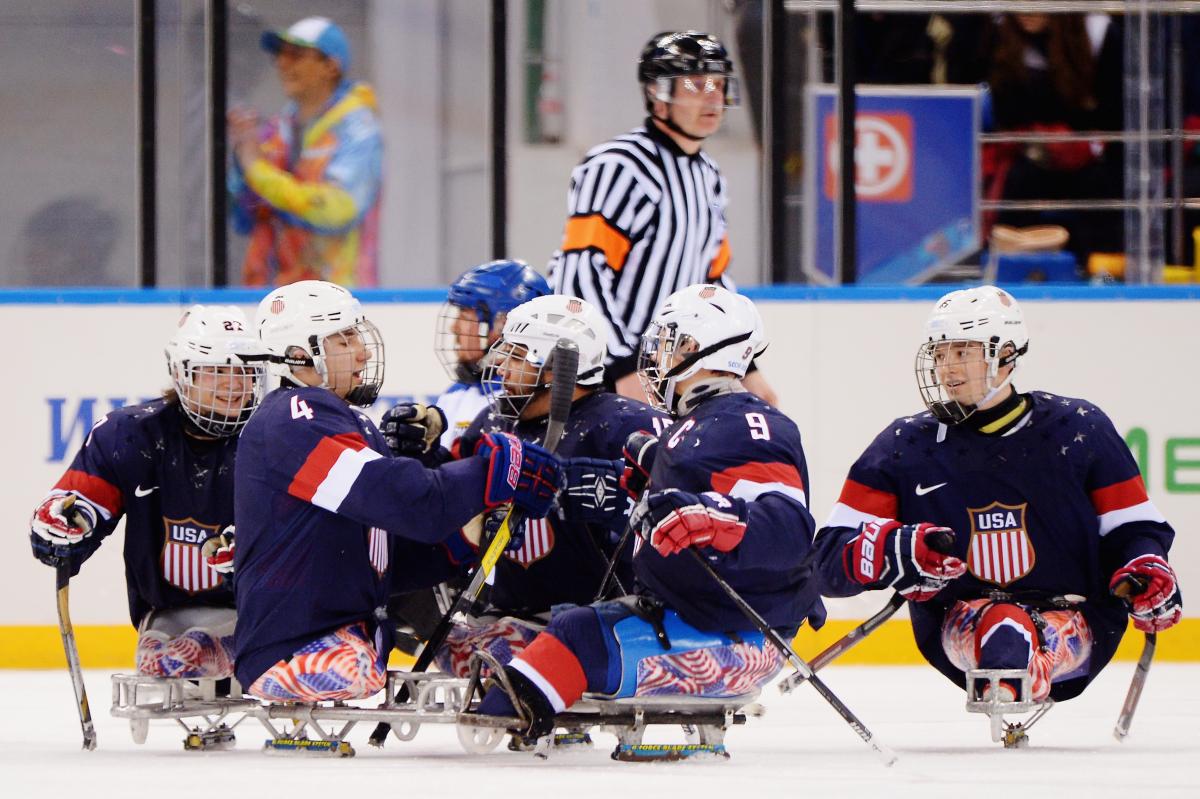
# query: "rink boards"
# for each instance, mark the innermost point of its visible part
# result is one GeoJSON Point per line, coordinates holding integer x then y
{"type": "Point", "coordinates": [841, 361]}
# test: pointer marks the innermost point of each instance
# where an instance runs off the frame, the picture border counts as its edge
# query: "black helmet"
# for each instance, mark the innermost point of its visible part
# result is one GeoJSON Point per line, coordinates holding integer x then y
{"type": "Point", "coordinates": [683, 53]}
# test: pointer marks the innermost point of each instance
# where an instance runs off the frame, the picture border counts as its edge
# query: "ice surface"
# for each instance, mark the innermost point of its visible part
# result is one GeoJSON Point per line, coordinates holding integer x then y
{"type": "Point", "coordinates": [799, 748]}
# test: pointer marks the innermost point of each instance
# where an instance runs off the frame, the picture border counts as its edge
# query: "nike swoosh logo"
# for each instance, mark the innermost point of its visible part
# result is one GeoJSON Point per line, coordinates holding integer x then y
{"type": "Point", "coordinates": [140, 492]}
{"type": "Point", "coordinates": [922, 491]}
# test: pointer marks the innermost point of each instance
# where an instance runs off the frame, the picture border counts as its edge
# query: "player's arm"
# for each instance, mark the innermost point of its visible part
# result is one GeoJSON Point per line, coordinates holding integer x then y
{"type": "Point", "coordinates": [85, 504]}
{"type": "Point", "coordinates": [336, 202]}
{"type": "Point", "coordinates": [1135, 537]}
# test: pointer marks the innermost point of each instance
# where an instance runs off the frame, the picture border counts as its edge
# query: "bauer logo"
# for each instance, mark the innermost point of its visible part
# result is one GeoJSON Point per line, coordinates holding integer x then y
{"type": "Point", "coordinates": [883, 158]}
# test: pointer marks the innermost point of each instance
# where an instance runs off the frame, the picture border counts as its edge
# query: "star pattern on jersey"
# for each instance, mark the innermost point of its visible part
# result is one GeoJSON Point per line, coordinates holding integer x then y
{"type": "Point", "coordinates": [1082, 411]}
{"type": "Point", "coordinates": [1079, 437]}
{"type": "Point", "coordinates": [1063, 449]}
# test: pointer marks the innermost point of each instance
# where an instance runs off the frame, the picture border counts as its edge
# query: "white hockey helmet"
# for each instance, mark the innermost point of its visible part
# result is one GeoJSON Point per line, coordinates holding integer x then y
{"type": "Point", "coordinates": [513, 369]}
{"type": "Point", "coordinates": [710, 327]}
{"type": "Point", "coordinates": [294, 322]}
{"type": "Point", "coordinates": [217, 368]}
{"type": "Point", "coordinates": [984, 315]}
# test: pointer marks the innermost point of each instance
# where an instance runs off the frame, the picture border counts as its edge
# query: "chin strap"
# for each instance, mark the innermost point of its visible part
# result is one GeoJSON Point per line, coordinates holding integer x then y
{"type": "Point", "coordinates": [670, 123]}
{"type": "Point", "coordinates": [706, 389]}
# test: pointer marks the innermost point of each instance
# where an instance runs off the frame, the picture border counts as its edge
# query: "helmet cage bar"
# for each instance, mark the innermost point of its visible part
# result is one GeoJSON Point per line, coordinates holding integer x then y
{"type": "Point", "coordinates": [447, 344]}
{"type": "Point", "coordinates": [241, 385]}
{"type": "Point", "coordinates": [371, 373]}
{"type": "Point", "coordinates": [510, 379]}
{"type": "Point", "coordinates": [659, 343]}
{"type": "Point", "coordinates": [934, 393]}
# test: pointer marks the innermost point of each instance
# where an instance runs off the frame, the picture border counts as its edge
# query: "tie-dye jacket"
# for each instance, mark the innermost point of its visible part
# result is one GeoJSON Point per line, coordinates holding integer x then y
{"type": "Point", "coordinates": [311, 202]}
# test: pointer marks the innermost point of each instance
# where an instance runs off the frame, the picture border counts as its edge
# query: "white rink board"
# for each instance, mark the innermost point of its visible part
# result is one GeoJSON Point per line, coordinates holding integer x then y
{"type": "Point", "coordinates": [842, 369]}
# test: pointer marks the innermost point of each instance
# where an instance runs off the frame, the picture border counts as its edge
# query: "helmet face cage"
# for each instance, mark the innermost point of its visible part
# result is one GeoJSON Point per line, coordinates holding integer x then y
{"type": "Point", "coordinates": [462, 341]}
{"type": "Point", "coordinates": [939, 397]}
{"type": "Point", "coordinates": [218, 398]}
{"type": "Point", "coordinates": [657, 369]}
{"type": "Point", "coordinates": [512, 376]}
{"type": "Point", "coordinates": [335, 358]}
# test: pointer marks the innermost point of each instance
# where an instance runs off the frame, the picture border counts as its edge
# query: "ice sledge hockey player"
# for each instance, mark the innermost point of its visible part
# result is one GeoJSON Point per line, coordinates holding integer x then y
{"type": "Point", "coordinates": [325, 511]}
{"type": "Point", "coordinates": [167, 466]}
{"type": "Point", "coordinates": [1048, 507]}
{"type": "Point", "coordinates": [729, 479]}
{"type": "Point", "coordinates": [562, 558]}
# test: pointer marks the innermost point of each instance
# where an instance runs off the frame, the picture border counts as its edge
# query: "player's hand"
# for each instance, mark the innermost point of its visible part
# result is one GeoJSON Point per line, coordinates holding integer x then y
{"type": "Point", "coordinates": [1149, 586]}
{"type": "Point", "coordinates": [672, 520]}
{"type": "Point", "coordinates": [519, 472]}
{"type": "Point", "coordinates": [411, 429]}
{"type": "Point", "coordinates": [218, 551]}
{"type": "Point", "coordinates": [593, 491]}
{"type": "Point", "coordinates": [640, 450]}
{"type": "Point", "coordinates": [480, 531]}
{"type": "Point", "coordinates": [59, 525]}
{"type": "Point", "coordinates": [914, 559]}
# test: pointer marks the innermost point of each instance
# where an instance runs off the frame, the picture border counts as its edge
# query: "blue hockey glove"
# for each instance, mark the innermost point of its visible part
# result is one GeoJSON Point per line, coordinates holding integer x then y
{"type": "Point", "coordinates": [673, 520]}
{"type": "Point", "coordinates": [593, 491]}
{"type": "Point", "coordinates": [519, 472]}
{"type": "Point", "coordinates": [412, 429]}
{"type": "Point", "coordinates": [59, 528]}
{"type": "Point", "coordinates": [914, 559]}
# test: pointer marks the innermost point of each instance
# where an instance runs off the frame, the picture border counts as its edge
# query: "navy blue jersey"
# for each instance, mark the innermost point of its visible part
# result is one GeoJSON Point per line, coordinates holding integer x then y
{"type": "Point", "coordinates": [317, 496]}
{"type": "Point", "coordinates": [175, 492]}
{"type": "Point", "coordinates": [1054, 506]}
{"type": "Point", "coordinates": [738, 445]}
{"type": "Point", "coordinates": [560, 561]}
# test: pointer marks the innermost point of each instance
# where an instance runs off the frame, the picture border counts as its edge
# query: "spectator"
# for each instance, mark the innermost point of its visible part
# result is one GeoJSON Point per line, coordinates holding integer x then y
{"type": "Point", "coordinates": [307, 185]}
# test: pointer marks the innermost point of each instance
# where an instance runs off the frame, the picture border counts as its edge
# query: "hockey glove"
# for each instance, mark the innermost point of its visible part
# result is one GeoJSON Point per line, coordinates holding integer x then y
{"type": "Point", "coordinates": [519, 472]}
{"type": "Point", "coordinates": [58, 527]}
{"type": "Point", "coordinates": [914, 559]}
{"type": "Point", "coordinates": [218, 551]}
{"type": "Point", "coordinates": [412, 429]}
{"type": "Point", "coordinates": [639, 451]}
{"type": "Point", "coordinates": [480, 531]}
{"type": "Point", "coordinates": [673, 520]}
{"type": "Point", "coordinates": [1156, 606]}
{"type": "Point", "coordinates": [593, 491]}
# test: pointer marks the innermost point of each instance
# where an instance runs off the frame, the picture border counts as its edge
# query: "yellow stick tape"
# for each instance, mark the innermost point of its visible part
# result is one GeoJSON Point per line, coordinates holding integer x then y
{"type": "Point", "coordinates": [111, 647]}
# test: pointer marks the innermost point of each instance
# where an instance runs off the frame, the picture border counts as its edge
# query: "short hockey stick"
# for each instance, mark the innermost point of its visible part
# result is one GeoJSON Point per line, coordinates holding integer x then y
{"type": "Point", "coordinates": [939, 541]}
{"type": "Point", "coordinates": [885, 754]}
{"type": "Point", "coordinates": [62, 581]}
{"type": "Point", "coordinates": [565, 361]}
{"type": "Point", "coordinates": [844, 644]}
{"type": "Point", "coordinates": [642, 441]}
{"type": "Point", "coordinates": [1125, 589]}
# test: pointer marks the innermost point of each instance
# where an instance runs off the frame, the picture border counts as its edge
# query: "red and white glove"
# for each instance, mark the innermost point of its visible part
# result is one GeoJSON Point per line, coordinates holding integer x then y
{"type": "Point", "coordinates": [914, 559]}
{"type": "Point", "coordinates": [1149, 586]}
{"type": "Point", "coordinates": [64, 526]}
{"type": "Point", "coordinates": [673, 520]}
{"type": "Point", "coordinates": [218, 551]}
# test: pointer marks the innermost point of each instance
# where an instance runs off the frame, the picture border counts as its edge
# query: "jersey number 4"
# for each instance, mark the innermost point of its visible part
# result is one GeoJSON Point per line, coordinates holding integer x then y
{"type": "Point", "coordinates": [300, 409]}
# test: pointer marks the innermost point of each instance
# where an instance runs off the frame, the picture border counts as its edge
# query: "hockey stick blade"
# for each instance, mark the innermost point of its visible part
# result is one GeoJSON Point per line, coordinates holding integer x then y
{"type": "Point", "coordinates": [885, 754]}
{"type": "Point", "coordinates": [565, 362]}
{"type": "Point", "coordinates": [67, 632]}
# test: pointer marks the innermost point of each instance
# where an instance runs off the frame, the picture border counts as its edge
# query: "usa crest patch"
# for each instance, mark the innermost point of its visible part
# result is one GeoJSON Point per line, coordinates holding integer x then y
{"type": "Point", "coordinates": [1000, 551]}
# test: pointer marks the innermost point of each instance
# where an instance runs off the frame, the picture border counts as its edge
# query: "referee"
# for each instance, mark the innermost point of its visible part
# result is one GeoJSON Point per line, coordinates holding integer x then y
{"type": "Point", "coordinates": [646, 210]}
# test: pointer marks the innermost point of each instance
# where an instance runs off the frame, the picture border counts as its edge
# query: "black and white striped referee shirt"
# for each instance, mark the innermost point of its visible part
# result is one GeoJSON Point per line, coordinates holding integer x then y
{"type": "Point", "coordinates": [644, 220]}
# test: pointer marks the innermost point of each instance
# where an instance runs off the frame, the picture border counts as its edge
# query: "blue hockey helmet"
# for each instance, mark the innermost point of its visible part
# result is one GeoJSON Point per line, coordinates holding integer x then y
{"type": "Point", "coordinates": [473, 314]}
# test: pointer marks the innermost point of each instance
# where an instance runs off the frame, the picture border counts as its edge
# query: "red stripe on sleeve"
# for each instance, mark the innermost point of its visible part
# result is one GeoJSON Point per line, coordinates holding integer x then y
{"type": "Point", "coordinates": [1124, 494]}
{"type": "Point", "coordinates": [865, 499]}
{"type": "Point", "coordinates": [558, 666]}
{"type": "Point", "coordinates": [318, 463]}
{"type": "Point", "coordinates": [785, 473]}
{"type": "Point", "coordinates": [96, 489]}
